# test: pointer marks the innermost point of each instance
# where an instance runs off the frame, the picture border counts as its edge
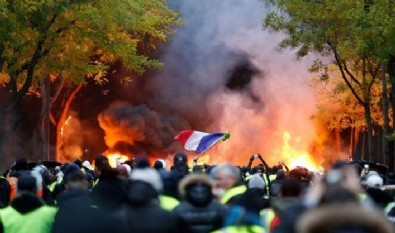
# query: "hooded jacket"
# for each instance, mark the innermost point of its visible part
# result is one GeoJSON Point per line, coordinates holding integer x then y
{"type": "Point", "coordinates": [343, 218]}
{"type": "Point", "coordinates": [143, 212]}
{"type": "Point", "coordinates": [199, 212]}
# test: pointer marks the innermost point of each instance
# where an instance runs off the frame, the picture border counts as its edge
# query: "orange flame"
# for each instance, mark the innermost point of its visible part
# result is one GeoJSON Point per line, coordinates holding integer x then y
{"type": "Point", "coordinates": [114, 158]}
{"type": "Point", "coordinates": [294, 157]}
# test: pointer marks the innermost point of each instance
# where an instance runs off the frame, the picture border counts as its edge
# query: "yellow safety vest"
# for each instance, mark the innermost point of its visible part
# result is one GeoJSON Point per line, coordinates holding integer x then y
{"type": "Point", "coordinates": [168, 203]}
{"type": "Point", "coordinates": [53, 185]}
{"type": "Point", "coordinates": [267, 216]}
{"type": "Point", "coordinates": [95, 182]}
{"type": "Point", "coordinates": [233, 192]}
{"type": "Point", "coordinates": [272, 177]}
{"type": "Point", "coordinates": [242, 229]}
{"type": "Point", "coordinates": [389, 207]}
{"type": "Point", "coordinates": [37, 221]}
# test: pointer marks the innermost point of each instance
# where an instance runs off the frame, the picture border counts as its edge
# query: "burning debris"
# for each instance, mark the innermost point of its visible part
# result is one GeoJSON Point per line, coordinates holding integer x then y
{"type": "Point", "coordinates": [139, 131]}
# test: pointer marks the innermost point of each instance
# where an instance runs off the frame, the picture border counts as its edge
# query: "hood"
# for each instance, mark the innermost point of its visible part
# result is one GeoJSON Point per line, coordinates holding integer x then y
{"type": "Point", "coordinates": [193, 179]}
{"type": "Point", "coordinates": [26, 202]}
{"type": "Point", "coordinates": [338, 218]}
{"type": "Point", "coordinates": [141, 193]}
{"type": "Point", "coordinates": [197, 189]}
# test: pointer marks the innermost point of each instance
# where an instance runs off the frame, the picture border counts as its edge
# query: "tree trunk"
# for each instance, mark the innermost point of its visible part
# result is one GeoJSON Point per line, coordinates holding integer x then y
{"type": "Point", "coordinates": [391, 73]}
{"type": "Point", "coordinates": [385, 116]}
{"type": "Point", "coordinates": [369, 129]}
{"type": "Point", "coordinates": [61, 122]}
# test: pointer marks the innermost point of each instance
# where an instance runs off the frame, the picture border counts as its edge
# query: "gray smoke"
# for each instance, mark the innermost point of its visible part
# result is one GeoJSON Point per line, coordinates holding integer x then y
{"type": "Point", "coordinates": [223, 72]}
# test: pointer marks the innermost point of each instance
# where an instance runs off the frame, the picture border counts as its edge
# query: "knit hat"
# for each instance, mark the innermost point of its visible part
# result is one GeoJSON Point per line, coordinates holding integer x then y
{"type": "Point", "coordinates": [256, 181]}
{"type": "Point", "coordinates": [147, 175]}
{"type": "Point", "coordinates": [71, 169]}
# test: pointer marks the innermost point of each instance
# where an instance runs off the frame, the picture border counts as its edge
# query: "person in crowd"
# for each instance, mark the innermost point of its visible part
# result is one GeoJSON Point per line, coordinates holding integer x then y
{"type": "Point", "coordinates": [76, 213]}
{"type": "Point", "coordinates": [228, 182]}
{"type": "Point", "coordinates": [160, 165]}
{"type": "Point", "coordinates": [256, 193]}
{"type": "Point", "coordinates": [199, 211]}
{"type": "Point", "coordinates": [59, 188]}
{"type": "Point", "coordinates": [110, 193]}
{"type": "Point", "coordinates": [18, 169]}
{"type": "Point", "coordinates": [169, 198]}
{"type": "Point", "coordinates": [275, 185]}
{"type": "Point", "coordinates": [124, 171]}
{"type": "Point", "coordinates": [243, 215]}
{"type": "Point", "coordinates": [339, 211]}
{"type": "Point", "coordinates": [5, 190]}
{"type": "Point", "coordinates": [101, 163]}
{"type": "Point", "coordinates": [373, 184]}
{"type": "Point", "coordinates": [143, 212]}
{"type": "Point", "coordinates": [27, 211]}
{"type": "Point", "coordinates": [290, 193]}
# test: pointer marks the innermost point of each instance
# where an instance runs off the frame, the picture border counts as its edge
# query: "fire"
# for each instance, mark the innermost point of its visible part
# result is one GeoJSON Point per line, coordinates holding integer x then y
{"type": "Point", "coordinates": [113, 157]}
{"type": "Point", "coordinates": [294, 157]}
{"type": "Point", "coordinates": [203, 159]}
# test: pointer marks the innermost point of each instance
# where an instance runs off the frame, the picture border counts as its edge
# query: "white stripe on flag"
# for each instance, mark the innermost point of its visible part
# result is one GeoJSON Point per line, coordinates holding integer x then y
{"type": "Point", "coordinates": [193, 141]}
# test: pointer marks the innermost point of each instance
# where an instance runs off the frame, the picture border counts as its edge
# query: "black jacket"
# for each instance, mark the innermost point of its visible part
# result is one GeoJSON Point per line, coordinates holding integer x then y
{"type": "Point", "coordinates": [201, 219]}
{"type": "Point", "coordinates": [76, 215]}
{"type": "Point", "coordinates": [144, 214]}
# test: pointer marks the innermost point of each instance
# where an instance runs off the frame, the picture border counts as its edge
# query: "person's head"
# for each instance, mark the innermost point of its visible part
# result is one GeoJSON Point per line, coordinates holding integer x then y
{"type": "Point", "coordinates": [158, 165]}
{"type": "Point", "coordinates": [180, 159]}
{"type": "Point", "coordinates": [76, 181]}
{"type": "Point", "coordinates": [226, 176]}
{"type": "Point", "coordinates": [149, 176]}
{"type": "Point", "coordinates": [27, 183]}
{"type": "Point", "coordinates": [124, 171]}
{"type": "Point", "coordinates": [260, 169]}
{"type": "Point", "coordinates": [197, 189]}
{"type": "Point", "coordinates": [291, 187]}
{"type": "Point", "coordinates": [79, 163]}
{"type": "Point", "coordinates": [338, 195]}
{"type": "Point", "coordinates": [373, 180]}
{"type": "Point", "coordinates": [198, 169]}
{"type": "Point", "coordinates": [280, 175]}
{"type": "Point", "coordinates": [20, 164]}
{"type": "Point", "coordinates": [101, 163]}
{"type": "Point", "coordinates": [256, 182]}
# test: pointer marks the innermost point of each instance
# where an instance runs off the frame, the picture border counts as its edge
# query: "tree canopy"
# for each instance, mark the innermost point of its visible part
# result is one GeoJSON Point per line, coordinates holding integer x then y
{"type": "Point", "coordinates": [73, 38]}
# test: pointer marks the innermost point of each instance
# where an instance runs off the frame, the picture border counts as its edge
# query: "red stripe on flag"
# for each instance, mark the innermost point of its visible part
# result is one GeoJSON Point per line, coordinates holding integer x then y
{"type": "Point", "coordinates": [183, 136]}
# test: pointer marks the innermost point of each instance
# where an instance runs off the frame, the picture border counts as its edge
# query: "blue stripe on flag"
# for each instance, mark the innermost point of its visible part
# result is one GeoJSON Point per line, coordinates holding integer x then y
{"type": "Point", "coordinates": [207, 141]}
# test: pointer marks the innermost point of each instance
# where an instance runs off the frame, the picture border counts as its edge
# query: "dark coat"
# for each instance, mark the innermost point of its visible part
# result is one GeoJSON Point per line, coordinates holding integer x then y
{"type": "Point", "coordinates": [201, 219]}
{"type": "Point", "coordinates": [5, 190]}
{"type": "Point", "coordinates": [76, 215]}
{"type": "Point", "coordinates": [109, 193]}
{"type": "Point", "coordinates": [144, 214]}
{"type": "Point", "coordinates": [343, 218]}
{"type": "Point", "coordinates": [199, 212]}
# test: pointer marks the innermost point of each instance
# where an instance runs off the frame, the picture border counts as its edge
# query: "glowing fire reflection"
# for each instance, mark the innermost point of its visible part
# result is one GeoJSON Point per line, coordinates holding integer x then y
{"type": "Point", "coordinates": [293, 157]}
{"type": "Point", "coordinates": [116, 158]}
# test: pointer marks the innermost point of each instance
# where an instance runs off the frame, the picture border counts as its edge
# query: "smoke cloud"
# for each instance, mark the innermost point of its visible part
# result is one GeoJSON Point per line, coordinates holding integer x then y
{"type": "Point", "coordinates": [223, 72]}
{"type": "Point", "coordinates": [137, 130]}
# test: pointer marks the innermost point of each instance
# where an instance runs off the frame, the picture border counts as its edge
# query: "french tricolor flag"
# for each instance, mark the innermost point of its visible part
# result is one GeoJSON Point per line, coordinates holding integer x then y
{"type": "Point", "coordinates": [199, 141]}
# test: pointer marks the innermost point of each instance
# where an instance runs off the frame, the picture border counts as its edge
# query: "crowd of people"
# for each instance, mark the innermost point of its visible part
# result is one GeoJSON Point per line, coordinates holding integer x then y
{"type": "Point", "coordinates": [143, 198]}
